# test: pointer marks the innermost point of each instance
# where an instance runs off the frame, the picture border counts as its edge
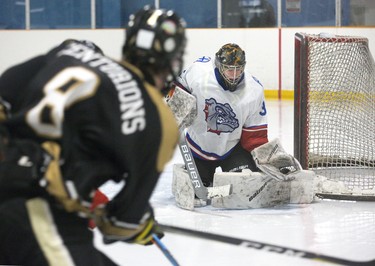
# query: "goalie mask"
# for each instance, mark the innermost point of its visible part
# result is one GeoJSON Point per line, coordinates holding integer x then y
{"type": "Point", "coordinates": [230, 61]}
{"type": "Point", "coordinates": [155, 39]}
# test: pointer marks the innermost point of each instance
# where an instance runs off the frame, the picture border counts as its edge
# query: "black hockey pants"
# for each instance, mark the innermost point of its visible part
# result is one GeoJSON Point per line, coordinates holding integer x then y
{"type": "Point", "coordinates": [34, 232]}
{"type": "Point", "coordinates": [236, 161]}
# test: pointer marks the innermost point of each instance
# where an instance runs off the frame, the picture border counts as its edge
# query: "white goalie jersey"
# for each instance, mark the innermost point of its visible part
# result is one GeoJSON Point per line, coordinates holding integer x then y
{"type": "Point", "coordinates": [223, 116]}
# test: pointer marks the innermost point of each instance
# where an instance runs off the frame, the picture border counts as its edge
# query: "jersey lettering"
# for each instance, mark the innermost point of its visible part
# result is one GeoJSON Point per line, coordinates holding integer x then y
{"type": "Point", "coordinates": [131, 101]}
{"type": "Point", "coordinates": [203, 59]}
{"type": "Point", "coordinates": [264, 110]}
{"type": "Point", "coordinates": [129, 94]}
{"type": "Point", "coordinates": [81, 52]}
{"type": "Point", "coordinates": [63, 90]}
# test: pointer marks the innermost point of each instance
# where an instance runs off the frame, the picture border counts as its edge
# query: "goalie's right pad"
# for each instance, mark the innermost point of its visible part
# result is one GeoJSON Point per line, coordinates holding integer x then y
{"type": "Point", "coordinates": [272, 160]}
{"type": "Point", "coordinates": [183, 191]}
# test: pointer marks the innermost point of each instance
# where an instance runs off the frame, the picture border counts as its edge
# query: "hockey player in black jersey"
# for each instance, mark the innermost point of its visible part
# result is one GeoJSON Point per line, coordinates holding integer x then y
{"type": "Point", "coordinates": [73, 119]}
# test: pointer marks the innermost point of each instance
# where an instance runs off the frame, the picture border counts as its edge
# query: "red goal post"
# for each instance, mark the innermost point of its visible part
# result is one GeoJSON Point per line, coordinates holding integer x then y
{"type": "Point", "coordinates": [334, 112]}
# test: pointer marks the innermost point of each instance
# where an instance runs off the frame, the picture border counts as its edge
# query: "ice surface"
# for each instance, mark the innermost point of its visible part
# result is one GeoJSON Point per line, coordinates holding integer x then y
{"type": "Point", "coordinates": [336, 228]}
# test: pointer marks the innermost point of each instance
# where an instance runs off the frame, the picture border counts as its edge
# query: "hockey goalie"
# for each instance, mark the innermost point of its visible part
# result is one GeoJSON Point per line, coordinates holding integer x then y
{"type": "Point", "coordinates": [277, 179]}
{"type": "Point", "coordinates": [223, 123]}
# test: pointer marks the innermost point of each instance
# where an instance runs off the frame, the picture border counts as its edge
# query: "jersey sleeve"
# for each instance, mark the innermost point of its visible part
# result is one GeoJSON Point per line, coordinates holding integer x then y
{"type": "Point", "coordinates": [255, 129]}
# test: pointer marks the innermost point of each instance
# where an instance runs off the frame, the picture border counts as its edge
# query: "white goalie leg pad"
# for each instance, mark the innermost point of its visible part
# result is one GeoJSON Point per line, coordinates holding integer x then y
{"type": "Point", "coordinates": [258, 190]}
{"type": "Point", "coordinates": [302, 188]}
{"type": "Point", "coordinates": [251, 190]}
{"type": "Point", "coordinates": [176, 167]}
{"type": "Point", "coordinates": [182, 189]}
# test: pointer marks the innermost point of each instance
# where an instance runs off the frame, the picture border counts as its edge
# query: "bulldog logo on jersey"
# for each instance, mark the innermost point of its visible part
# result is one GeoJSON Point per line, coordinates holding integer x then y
{"type": "Point", "coordinates": [219, 117]}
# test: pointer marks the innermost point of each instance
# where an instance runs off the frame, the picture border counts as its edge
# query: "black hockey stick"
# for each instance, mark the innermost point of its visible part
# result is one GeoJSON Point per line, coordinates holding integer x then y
{"type": "Point", "coordinates": [200, 190]}
{"type": "Point", "coordinates": [264, 246]}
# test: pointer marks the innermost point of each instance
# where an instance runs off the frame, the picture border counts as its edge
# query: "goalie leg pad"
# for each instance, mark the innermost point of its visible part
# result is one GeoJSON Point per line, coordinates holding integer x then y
{"type": "Point", "coordinates": [302, 187]}
{"type": "Point", "coordinates": [257, 190]}
{"type": "Point", "coordinates": [182, 189]}
{"type": "Point", "coordinates": [251, 190]}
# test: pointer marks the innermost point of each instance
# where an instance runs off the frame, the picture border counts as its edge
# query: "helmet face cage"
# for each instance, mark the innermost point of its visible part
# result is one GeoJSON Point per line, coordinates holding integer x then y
{"type": "Point", "coordinates": [230, 61]}
{"type": "Point", "coordinates": [155, 38]}
{"type": "Point", "coordinates": [232, 74]}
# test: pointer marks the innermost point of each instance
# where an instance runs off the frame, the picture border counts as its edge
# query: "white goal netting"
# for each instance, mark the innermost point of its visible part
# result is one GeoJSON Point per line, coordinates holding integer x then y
{"type": "Point", "coordinates": [337, 99]}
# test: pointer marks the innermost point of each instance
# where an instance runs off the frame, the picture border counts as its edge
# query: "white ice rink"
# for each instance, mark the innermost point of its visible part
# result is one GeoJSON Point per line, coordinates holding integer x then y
{"type": "Point", "coordinates": [340, 229]}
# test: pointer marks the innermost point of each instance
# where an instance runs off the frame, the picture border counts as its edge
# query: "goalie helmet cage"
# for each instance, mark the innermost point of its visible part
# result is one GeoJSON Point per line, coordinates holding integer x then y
{"type": "Point", "coordinates": [334, 113]}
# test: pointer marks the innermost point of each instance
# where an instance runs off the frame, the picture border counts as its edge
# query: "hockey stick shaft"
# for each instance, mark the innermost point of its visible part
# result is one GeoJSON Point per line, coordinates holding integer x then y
{"type": "Point", "coordinates": [164, 249]}
{"type": "Point", "coordinates": [263, 246]}
{"type": "Point", "coordinates": [199, 189]}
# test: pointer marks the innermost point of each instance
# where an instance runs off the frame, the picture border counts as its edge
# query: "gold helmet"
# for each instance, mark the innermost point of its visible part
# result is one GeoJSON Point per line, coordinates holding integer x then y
{"type": "Point", "coordinates": [230, 61]}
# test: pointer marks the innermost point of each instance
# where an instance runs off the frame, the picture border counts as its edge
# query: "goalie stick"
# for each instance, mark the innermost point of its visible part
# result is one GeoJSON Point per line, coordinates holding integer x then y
{"type": "Point", "coordinates": [263, 246]}
{"type": "Point", "coordinates": [184, 108]}
{"type": "Point", "coordinates": [200, 190]}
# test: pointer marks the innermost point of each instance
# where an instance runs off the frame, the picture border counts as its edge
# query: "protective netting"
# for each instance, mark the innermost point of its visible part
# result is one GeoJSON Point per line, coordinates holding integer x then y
{"type": "Point", "coordinates": [341, 109]}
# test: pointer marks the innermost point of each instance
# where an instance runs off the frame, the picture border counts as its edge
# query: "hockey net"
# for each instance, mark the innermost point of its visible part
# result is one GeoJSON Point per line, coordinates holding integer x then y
{"type": "Point", "coordinates": [334, 113]}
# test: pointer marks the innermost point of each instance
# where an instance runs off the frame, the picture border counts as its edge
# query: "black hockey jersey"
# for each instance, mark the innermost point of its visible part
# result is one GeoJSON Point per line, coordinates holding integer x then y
{"type": "Point", "coordinates": [108, 120]}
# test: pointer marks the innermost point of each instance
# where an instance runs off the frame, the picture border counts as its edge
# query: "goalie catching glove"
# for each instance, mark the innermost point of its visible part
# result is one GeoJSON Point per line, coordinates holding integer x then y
{"type": "Point", "coordinates": [183, 106]}
{"type": "Point", "coordinates": [272, 160]}
{"type": "Point", "coordinates": [114, 230]}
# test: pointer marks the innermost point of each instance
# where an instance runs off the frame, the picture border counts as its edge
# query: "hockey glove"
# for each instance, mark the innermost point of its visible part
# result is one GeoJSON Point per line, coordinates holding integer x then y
{"type": "Point", "coordinates": [22, 165]}
{"type": "Point", "coordinates": [272, 160]}
{"type": "Point", "coordinates": [114, 230]}
{"type": "Point", "coordinates": [183, 106]}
